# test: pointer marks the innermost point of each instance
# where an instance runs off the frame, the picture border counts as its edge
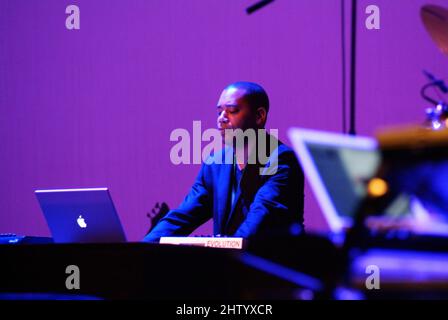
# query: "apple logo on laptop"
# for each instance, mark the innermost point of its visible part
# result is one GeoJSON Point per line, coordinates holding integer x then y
{"type": "Point", "coordinates": [81, 222]}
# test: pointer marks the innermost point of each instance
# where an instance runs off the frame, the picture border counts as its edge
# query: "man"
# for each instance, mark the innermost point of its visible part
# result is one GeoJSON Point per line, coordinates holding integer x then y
{"type": "Point", "coordinates": [245, 198]}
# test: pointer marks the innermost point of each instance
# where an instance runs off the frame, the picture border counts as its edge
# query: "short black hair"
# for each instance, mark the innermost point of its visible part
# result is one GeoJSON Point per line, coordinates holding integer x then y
{"type": "Point", "coordinates": [255, 95]}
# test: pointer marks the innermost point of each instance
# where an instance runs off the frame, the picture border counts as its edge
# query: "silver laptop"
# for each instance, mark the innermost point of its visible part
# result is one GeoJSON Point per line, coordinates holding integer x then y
{"type": "Point", "coordinates": [81, 215]}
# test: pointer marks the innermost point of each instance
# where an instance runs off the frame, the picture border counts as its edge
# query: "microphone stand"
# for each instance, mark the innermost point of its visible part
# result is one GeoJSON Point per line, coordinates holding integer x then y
{"type": "Point", "coordinates": [352, 129]}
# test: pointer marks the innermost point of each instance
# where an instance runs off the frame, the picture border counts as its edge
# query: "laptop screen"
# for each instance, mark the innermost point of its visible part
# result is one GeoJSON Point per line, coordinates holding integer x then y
{"type": "Point", "coordinates": [344, 171]}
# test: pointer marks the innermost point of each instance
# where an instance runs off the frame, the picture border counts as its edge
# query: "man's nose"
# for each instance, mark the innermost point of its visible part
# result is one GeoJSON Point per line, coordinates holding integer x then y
{"type": "Point", "coordinates": [222, 118]}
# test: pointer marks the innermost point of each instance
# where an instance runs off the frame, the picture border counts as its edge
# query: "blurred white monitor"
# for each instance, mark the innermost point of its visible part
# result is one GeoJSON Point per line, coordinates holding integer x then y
{"type": "Point", "coordinates": [337, 167]}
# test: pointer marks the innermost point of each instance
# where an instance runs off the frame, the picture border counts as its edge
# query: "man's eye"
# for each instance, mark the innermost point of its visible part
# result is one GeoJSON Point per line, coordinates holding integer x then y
{"type": "Point", "coordinates": [234, 111]}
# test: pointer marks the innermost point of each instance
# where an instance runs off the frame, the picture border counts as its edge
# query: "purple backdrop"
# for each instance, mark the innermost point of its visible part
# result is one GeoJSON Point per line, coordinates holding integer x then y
{"type": "Point", "coordinates": [95, 106]}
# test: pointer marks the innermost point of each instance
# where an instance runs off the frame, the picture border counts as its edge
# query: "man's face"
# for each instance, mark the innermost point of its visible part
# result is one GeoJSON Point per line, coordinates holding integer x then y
{"type": "Point", "coordinates": [234, 112]}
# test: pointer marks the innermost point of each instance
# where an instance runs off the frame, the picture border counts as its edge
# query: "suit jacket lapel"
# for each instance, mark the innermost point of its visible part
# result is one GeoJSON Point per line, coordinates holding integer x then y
{"type": "Point", "coordinates": [249, 184]}
{"type": "Point", "coordinates": [235, 201]}
{"type": "Point", "coordinates": [223, 190]}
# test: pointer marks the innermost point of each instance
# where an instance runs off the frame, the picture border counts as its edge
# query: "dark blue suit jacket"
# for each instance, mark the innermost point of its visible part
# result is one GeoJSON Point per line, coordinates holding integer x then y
{"type": "Point", "coordinates": [266, 203]}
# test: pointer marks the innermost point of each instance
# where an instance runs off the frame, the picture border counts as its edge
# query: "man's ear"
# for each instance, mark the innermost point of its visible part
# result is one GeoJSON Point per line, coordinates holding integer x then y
{"type": "Point", "coordinates": [260, 117]}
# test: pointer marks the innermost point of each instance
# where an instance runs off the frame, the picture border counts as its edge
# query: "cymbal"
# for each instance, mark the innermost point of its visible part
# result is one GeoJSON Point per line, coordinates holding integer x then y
{"type": "Point", "coordinates": [435, 20]}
